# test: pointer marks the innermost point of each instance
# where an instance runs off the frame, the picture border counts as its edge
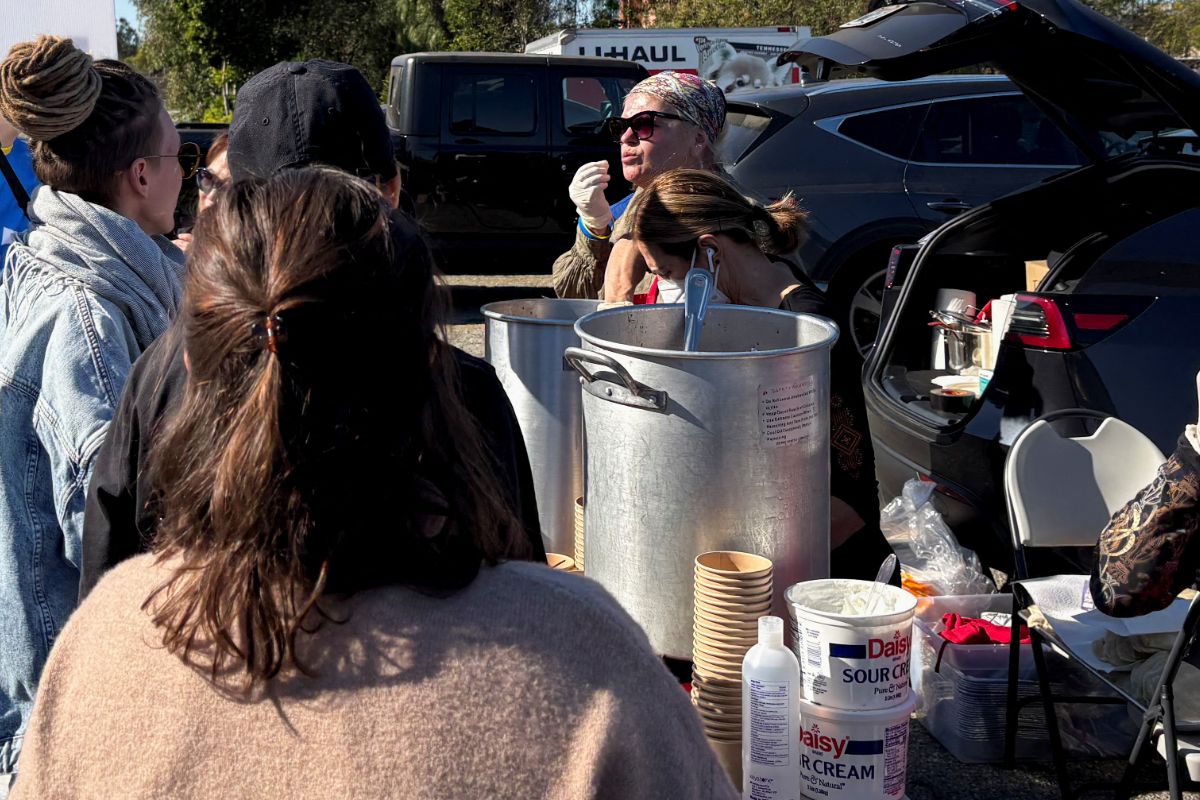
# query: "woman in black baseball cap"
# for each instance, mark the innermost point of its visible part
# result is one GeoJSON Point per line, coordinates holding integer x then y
{"type": "Point", "coordinates": [298, 113]}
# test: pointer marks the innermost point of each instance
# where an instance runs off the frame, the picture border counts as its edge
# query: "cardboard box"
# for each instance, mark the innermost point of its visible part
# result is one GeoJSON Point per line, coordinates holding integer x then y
{"type": "Point", "coordinates": [1034, 272]}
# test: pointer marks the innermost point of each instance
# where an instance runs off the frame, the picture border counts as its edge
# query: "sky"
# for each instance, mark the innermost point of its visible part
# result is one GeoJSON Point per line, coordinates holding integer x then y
{"type": "Point", "coordinates": [126, 9]}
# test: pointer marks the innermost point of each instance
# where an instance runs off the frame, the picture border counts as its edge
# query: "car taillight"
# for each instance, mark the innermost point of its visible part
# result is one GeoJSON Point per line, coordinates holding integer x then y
{"type": "Point", "coordinates": [1037, 322]}
{"type": "Point", "coordinates": [1066, 322]}
{"type": "Point", "coordinates": [1098, 322]}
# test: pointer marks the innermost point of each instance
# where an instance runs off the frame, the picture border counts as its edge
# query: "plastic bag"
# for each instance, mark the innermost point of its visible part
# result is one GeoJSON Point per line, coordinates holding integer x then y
{"type": "Point", "coordinates": [931, 560]}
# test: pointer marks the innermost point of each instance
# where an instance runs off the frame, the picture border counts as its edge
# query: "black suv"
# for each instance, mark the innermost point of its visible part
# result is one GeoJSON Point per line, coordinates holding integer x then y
{"type": "Point", "coordinates": [878, 163]}
{"type": "Point", "coordinates": [1112, 324]}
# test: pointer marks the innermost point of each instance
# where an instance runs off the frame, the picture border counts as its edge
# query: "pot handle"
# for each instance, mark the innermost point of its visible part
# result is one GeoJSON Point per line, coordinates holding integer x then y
{"type": "Point", "coordinates": [631, 393]}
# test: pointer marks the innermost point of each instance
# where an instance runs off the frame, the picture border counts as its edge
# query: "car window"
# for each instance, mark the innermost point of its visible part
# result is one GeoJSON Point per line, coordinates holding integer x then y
{"type": "Point", "coordinates": [741, 130]}
{"type": "Point", "coordinates": [992, 130]}
{"type": "Point", "coordinates": [395, 87]}
{"type": "Point", "coordinates": [1114, 144]}
{"type": "Point", "coordinates": [589, 101]}
{"type": "Point", "coordinates": [1157, 259]}
{"type": "Point", "coordinates": [493, 104]}
{"type": "Point", "coordinates": [890, 131]}
{"type": "Point", "coordinates": [395, 84]}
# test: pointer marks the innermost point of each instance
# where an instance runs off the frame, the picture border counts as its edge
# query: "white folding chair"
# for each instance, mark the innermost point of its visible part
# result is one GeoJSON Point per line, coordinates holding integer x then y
{"type": "Point", "coordinates": [1062, 491]}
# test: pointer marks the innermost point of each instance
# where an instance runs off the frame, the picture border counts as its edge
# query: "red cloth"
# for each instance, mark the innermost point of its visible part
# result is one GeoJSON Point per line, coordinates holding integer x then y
{"type": "Point", "coordinates": [967, 630]}
{"type": "Point", "coordinates": [650, 297]}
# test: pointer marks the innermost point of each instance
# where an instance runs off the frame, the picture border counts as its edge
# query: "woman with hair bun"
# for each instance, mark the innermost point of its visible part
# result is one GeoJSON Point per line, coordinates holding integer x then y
{"type": "Point", "coordinates": [691, 217]}
{"type": "Point", "coordinates": [334, 605]}
{"type": "Point", "coordinates": [87, 288]}
{"type": "Point", "coordinates": [687, 218]}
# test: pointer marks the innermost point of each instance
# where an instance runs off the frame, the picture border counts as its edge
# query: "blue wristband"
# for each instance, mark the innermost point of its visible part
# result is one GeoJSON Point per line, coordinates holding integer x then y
{"type": "Point", "coordinates": [589, 234]}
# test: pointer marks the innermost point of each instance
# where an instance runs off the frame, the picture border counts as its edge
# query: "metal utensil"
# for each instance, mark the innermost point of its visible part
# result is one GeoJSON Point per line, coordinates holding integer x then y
{"type": "Point", "coordinates": [697, 289]}
{"type": "Point", "coordinates": [884, 575]}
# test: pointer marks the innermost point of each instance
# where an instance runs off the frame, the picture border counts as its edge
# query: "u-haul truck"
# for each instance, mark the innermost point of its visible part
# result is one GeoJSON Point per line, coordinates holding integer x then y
{"type": "Point", "coordinates": [736, 59]}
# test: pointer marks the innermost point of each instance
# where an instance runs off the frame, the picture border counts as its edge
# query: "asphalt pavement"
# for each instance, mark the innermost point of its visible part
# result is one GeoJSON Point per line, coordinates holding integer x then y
{"type": "Point", "coordinates": [933, 774]}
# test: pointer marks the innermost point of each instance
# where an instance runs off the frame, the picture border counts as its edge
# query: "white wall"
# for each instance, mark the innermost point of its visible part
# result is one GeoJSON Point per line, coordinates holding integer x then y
{"type": "Point", "coordinates": [91, 23]}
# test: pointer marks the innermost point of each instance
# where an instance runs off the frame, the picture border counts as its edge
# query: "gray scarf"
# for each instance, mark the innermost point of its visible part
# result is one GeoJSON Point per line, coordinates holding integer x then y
{"type": "Point", "coordinates": [110, 255]}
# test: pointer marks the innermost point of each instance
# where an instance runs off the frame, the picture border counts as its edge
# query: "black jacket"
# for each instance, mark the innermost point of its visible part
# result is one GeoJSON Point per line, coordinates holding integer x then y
{"type": "Point", "coordinates": [118, 521]}
{"type": "Point", "coordinates": [852, 457]}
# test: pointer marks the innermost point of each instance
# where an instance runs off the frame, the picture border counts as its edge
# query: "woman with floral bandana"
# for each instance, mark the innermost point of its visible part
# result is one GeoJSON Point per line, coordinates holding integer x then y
{"type": "Point", "coordinates": [671, 120]}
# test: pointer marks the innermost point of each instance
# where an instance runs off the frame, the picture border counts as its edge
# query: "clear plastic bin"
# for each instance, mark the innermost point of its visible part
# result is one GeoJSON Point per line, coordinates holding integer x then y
{"type": "Point", "coordinates": [962, 701]}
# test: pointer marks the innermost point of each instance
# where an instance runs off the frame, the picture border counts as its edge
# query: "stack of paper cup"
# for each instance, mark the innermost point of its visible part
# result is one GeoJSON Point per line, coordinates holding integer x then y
{"type": "Point", "coordinates": [563, 563]}
{"type": "Point", "coordinates": [579, 533]}
{"type": "Point", "coordinates": [732, 590]}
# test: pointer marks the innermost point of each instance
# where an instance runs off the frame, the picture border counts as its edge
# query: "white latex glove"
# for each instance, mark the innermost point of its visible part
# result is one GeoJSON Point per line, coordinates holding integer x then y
{"type": "Point", "coordinates": [587, 193]}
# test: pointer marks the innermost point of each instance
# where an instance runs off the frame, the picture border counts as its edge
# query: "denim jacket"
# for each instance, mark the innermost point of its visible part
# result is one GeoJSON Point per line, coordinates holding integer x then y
{"type": "Point", "coordinates": [84, 292]}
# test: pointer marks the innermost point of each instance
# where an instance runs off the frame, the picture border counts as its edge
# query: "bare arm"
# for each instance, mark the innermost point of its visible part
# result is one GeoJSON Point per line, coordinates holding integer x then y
{"type": "Point", "coordinates": [625, 270]}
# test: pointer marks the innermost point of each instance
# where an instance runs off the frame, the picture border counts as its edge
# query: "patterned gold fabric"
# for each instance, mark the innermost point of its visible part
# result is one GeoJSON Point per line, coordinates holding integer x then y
{"type": "Point", "coordinates": [1150, 551]}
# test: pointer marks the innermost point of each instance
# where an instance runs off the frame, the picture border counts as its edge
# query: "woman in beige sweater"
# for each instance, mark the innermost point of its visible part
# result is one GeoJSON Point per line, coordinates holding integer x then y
{"type": "Point", "coordinates": [329, 610]}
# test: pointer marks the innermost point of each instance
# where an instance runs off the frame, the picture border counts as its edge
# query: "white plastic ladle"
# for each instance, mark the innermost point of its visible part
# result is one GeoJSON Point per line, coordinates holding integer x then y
{"type": "Point", "coordinates": [885, 573]}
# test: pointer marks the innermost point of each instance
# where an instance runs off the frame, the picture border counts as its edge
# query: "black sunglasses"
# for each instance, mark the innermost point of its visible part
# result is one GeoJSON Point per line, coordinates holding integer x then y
{"type": "Point", "coordinates": [189, 158]}
{"type": "Point", "coordinates": [206, 181]}
{"type": "Point", "coordinates": [642, 124]}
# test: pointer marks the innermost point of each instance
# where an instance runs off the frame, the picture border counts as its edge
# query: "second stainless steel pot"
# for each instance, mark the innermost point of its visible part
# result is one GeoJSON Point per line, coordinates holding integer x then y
{"type": "Point", "coordinates": [524, 342]}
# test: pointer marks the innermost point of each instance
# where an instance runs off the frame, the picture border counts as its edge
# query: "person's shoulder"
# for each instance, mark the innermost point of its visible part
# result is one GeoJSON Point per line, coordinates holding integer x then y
{"type": "Point", "coordinates": [160, 369]}
{"type": "Point", "coordinates": [576, 608]}
{"type": "Point", "coordinates": [479, 379]}
{"type": "Point", "coordinates": [63, 338]}
{"type": "Point", "coordinates": [619, 207]}
{"type": "Point", "coordinates": [127, 582]}
{"type": "Point", "coordinates": [114, 605]}
{"type": "Point", "coordinates": [806, 297]}
{"type": "Point", "coordinates": [473, 365]}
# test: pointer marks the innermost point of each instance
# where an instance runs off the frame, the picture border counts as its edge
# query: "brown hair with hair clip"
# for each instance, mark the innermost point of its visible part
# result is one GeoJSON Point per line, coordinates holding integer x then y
{"type": "Point", "coordinates": [319, 467]}
{"type": "Point", "coordinates": [272, 332]}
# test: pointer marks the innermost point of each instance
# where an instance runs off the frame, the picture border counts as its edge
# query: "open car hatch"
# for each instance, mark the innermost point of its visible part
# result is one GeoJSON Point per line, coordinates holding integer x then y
{"type": "Point", "coordinates": [1088, 73]}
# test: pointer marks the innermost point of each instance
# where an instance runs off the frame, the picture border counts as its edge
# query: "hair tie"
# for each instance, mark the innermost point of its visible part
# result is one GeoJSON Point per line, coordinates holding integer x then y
{"type": "Point", "coordinates": [272, 331]}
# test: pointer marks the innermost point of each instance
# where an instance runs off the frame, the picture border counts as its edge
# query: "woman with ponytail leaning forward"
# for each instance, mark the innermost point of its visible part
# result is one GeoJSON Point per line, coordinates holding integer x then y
{"type": "Point", "coordinates": [689, 218]}
{"type": "Point", "coordinates": [330, 608]}
{"type": "Point", "coordinates": [87, 288]}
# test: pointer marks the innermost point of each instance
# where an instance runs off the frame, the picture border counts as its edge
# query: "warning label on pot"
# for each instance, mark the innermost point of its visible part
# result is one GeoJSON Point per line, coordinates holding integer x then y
{"type": "Point", "coordinates": [787, 414]}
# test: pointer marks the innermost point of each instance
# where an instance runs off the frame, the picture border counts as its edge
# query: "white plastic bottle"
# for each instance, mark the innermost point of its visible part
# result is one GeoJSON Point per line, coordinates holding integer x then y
{"type": "Point", "coordinates": [770, 717]}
